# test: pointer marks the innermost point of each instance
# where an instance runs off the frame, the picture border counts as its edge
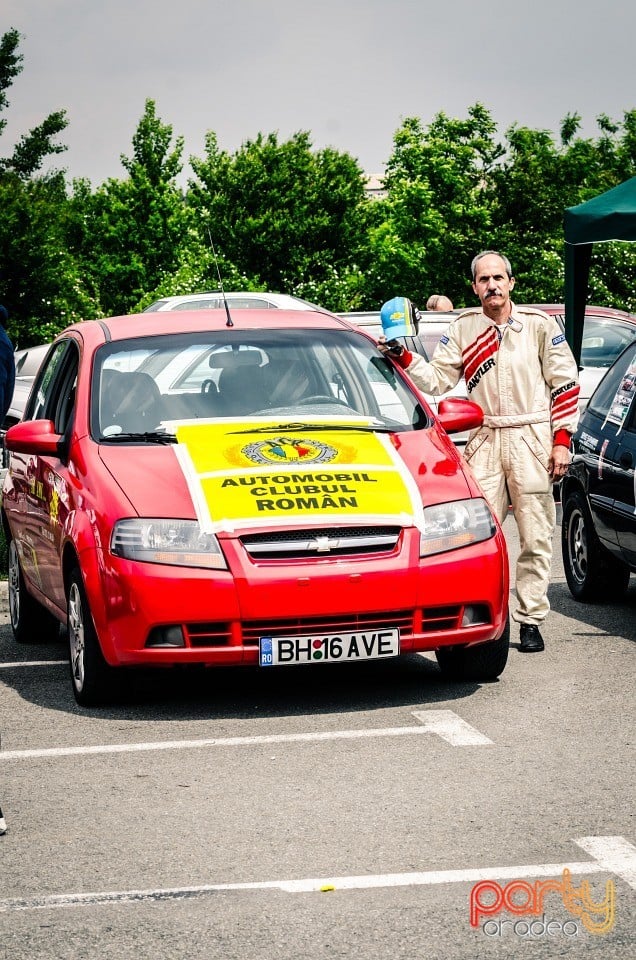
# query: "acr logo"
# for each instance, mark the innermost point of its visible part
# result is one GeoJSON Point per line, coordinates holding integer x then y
{"type": "Point", "coordinates": [289, 450]}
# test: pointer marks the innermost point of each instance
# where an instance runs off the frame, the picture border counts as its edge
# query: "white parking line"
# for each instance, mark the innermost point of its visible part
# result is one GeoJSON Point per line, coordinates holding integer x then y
{"type": "Point", "coordinates": [31, 663]}
{"type": "Point", "coordinates": [442, 723]}
{"type": "Point", "coordinates": [447, 725]}
{"type": "Point", "coordinates": [613, 855]}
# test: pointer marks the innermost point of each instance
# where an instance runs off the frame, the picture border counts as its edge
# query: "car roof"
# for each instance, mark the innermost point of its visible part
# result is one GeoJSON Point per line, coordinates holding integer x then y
{"type": "Point", "coordinates": [559, 308]}
{"type": "Point", "coordinates": [196, 321]}
{"type": "Point", "coordinates": [283, 301]}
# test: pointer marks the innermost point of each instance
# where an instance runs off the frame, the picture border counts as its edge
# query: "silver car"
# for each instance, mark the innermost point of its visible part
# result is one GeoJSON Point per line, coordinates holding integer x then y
{"type": "Point", "coordinates": [241, 300]}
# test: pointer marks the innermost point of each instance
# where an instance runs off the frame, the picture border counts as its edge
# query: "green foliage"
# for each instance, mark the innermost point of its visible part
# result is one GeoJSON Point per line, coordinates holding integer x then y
{"type": "Point", "coordinates": [35, 146]}
{"type": "Point", "coordinates": [130, 233]}
{"type": "Point", "coordinates": [453, 190]}
{"type": "Point", "coordinates": [41, 284]}
{"type": "Point", "coordinates": [281, 213]}
{"type": "Point", "coordinates": [435, 213]}
{"type": "Point", "coordinates": [612, 273]}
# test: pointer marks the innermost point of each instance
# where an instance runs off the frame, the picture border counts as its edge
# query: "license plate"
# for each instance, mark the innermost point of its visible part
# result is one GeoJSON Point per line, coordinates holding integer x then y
{"type": "Point", "coordinates": [334, 648]}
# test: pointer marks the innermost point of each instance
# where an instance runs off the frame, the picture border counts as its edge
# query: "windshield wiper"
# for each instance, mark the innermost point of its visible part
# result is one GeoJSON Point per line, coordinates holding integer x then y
{"type": "Point", "coordinates": [152, 436]}
{"type": "Point", "coordinates": [306, 427]}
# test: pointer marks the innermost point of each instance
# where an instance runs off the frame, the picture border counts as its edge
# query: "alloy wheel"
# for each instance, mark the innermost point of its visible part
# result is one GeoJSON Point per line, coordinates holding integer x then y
{"type": "Point", "coordinates": [577, 542]}
{"type": "Point", "coordinates": [14, 584]}
{"type": "Point", "coordinates": [76, 636]}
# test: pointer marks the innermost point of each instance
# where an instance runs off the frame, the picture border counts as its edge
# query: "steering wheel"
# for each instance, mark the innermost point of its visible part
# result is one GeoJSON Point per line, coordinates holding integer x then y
{"type": "Point", "coordinates": [208, 386]}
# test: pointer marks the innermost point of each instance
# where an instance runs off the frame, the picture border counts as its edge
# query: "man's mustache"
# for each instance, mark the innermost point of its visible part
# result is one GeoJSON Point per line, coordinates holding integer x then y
{"type": "Point", "coordinates": [494, 293]}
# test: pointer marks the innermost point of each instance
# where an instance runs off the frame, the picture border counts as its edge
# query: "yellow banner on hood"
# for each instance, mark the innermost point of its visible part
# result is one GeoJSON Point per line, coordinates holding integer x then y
{"type": "Point", "coordinates": [259, 472]}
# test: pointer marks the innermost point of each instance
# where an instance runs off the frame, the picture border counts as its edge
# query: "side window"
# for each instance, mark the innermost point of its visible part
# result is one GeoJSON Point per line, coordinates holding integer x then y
{"type": "Point", "coordinates": [64, 392]}
{"type": "Point", "coordinates": [54, 397]}
{"type": "Point", "coordinates": [204, 304]}
{"type": "Point", "coordinates": [39, 403]}
{"type": "Point", "coordinates": [247, 303]}
{"type": "Point", "coordinates": [609, 390]}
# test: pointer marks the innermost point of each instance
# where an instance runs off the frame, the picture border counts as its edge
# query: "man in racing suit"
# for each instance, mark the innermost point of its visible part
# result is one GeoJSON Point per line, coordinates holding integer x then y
{"type": "Point", "coordinates": [520, 370]}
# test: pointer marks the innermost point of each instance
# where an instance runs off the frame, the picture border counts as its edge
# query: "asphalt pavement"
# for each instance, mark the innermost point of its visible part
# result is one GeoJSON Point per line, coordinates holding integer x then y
{"type": "Point", "coordinates": [327, 812]}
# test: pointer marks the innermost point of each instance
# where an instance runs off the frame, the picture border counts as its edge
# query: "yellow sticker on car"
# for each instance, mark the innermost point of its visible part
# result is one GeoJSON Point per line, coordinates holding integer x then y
{"type": "Point", "coordinates": [261, 471]}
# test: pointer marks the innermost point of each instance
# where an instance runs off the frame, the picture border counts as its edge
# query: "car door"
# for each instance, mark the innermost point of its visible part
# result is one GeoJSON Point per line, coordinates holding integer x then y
{"type": "Point", "coordinates": [605, 443]}
{"type": "Point", "coordinates": [625, 499]}
{"type": "Point", "coordinates": [40, 482]}
{"type": "Point", "coordinates": [625, 503]}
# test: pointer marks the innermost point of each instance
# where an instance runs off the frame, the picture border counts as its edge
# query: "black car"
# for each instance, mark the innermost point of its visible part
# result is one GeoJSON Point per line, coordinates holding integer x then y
{"type": "Point", "coordinates": [598, 533]}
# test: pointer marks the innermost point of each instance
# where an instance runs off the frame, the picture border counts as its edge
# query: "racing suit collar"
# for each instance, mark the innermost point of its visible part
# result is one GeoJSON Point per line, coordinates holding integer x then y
{"type": "Point", "coordinates": [514, 320]}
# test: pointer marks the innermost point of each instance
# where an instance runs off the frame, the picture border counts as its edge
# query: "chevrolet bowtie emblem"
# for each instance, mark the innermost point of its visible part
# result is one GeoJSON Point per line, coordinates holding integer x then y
{"type": "Point", "coordinates": [323, 544]}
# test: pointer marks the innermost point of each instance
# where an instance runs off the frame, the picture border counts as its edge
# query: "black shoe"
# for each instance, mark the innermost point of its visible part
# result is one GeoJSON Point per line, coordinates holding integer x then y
{"type": "Point", "coordinates": [531, 639]}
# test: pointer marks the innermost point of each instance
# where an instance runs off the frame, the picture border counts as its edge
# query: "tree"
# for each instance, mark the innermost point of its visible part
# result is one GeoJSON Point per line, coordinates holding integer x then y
{"type": "Point", "coordinates": [39, 280]}
{"type": "Point", "coordinates": [34, 147]}
{"type": "Point", "coordinates": [291, 218]}
{"type": "Point", "coordinates": [436, 210]}
{"type": "Point", "coordinates": [130, 234]}
{"type": "Point", "coordinates": [529, 192]}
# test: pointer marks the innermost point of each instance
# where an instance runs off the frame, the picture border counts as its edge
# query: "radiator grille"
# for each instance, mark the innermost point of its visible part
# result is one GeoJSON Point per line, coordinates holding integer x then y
{"type": "Point", "coordinates": [322, 542]}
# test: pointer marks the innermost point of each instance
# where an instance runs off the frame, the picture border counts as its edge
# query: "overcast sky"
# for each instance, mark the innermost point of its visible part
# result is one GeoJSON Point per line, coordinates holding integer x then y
{"type": "Point", "coordinates": [347, 71]}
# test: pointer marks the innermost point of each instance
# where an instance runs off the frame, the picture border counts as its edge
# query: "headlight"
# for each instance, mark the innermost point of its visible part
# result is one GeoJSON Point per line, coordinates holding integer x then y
{"type": "Point", "coordinates": [176, 542]}
{"type": "Point", "coordinates": [448, 526]}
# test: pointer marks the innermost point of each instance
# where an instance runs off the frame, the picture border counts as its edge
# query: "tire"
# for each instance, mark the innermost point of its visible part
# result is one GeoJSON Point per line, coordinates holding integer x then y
{"type": "Point", "coordinates": [30, 621]}
{"type": "Point", "coordinates": [592, 572]}
{"type": "Point", "coordinates": [91, 677]}
{"type": "Point", "coordinates": [479, 664]}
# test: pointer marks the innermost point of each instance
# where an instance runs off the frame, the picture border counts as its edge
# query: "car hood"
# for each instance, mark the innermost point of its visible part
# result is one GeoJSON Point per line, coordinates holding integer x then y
{"type": "Point", "coordinates": [380, 476]}
{"type": "Point", "coordinates": [151, 479]}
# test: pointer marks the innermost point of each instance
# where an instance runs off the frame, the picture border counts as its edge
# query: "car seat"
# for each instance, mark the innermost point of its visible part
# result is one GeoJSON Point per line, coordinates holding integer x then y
{"type": "Point", "coordinates": [131, 401]}
{"type": "Point", "coordinates": [244, 385]}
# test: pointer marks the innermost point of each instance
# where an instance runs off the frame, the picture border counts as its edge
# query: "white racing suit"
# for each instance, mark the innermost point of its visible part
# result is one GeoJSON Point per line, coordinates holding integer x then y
{"type": "Point", "coordinates": [526, 382]}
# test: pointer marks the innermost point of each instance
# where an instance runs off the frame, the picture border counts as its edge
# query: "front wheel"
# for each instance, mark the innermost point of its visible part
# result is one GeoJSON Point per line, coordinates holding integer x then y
{"type": "Point", "coordinates": [91, 676]}
{"type": "Point", "coordinates": [592, 572]}
{"type": "Point", "coordinates": [30, 621]}
{"type": "Point", "coordinates": [479, 664]}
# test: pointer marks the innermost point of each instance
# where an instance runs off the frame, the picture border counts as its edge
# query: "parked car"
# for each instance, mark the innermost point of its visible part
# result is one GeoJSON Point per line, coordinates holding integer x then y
{"type": "Point", "coordinates": [28, 360]}
{"type": "Point", "coordinates": [299, 504]}
{"type": "Point", "coordinates": [236, 300]}
{"type": "Point", "coordinates": [606, 332]}
{"type": "Point", "coordinates": [598, 534]}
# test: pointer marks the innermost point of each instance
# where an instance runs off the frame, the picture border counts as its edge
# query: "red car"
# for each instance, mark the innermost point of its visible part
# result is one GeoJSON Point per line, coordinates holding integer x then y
{"type": "Point", "coordinates": [259, 488]}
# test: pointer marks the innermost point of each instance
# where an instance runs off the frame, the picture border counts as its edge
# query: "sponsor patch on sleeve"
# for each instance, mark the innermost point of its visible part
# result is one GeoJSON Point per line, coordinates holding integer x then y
{"type": "Point", "coordinates": [443, 339]}
{"type": "Point", "coordinates": [559, 339]}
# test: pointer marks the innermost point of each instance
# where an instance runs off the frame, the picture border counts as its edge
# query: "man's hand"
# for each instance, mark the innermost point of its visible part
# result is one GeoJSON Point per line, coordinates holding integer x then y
{"type": "Point", "coordinates": [390, 348]}
{"type": "Point", "coordinates": [559, 461]}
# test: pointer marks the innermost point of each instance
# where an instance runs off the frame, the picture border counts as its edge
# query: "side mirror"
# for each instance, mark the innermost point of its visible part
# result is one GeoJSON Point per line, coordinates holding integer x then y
{"type": "Point", "coordinates": [457, 414]}
{"type": "Point", "coordinates": [37, 437]}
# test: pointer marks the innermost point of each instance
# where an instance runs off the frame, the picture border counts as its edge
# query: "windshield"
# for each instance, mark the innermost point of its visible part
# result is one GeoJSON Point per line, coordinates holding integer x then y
{"type": "Point", "coordinates": [603, 340]}
{"type": "Point", "coordinates": [155, 383]}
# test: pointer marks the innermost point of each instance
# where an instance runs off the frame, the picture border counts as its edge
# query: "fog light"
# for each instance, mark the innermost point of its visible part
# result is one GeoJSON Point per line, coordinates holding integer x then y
{"type": "Point", "coordinates": [474, 615]}
{"type": "Point", "coordinates": [166, 637]}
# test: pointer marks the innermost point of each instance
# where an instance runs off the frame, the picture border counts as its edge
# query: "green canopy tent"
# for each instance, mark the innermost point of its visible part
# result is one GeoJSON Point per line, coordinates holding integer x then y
{"type": "Point", "coordinates": [610, 216]}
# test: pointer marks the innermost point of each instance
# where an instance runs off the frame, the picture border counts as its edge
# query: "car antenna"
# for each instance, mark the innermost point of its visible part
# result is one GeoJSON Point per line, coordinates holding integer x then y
{"type": "Point", "coordinates": [229, 322]}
